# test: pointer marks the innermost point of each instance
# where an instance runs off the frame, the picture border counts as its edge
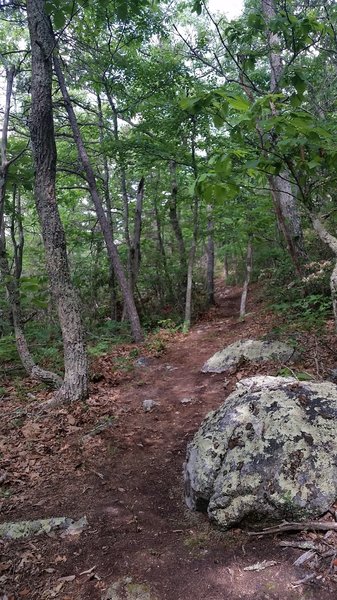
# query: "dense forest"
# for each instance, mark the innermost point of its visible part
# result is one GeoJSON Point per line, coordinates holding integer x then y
{"type": "Point", "coordinates": [147, 146]}
{"type": "Point", "coordinates": [168, 243]}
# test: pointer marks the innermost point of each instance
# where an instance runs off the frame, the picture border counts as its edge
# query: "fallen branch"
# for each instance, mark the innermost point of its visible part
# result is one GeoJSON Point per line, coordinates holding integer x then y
{"type": "Point", "coordinates": [305, 526]}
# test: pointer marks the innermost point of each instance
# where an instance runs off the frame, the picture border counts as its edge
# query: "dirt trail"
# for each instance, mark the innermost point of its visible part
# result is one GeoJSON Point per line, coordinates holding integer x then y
{"type": "Point", "coordinates": [128, 482]}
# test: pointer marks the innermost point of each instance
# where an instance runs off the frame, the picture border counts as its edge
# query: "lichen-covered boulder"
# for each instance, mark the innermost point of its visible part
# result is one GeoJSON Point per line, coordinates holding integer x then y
{"type": "Point", "coordinates": [268, 453]}
{"type": "Point", "coordinates": [250, 350]}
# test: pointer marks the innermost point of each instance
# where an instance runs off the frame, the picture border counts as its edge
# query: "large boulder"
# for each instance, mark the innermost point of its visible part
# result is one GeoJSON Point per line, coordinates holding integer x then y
{"type": "Point", "coordinates": [255, 351]}
{"type": "Point", "coordinates": [268, 453]}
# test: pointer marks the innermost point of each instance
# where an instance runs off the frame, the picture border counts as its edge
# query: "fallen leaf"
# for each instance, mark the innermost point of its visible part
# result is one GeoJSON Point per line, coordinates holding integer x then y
{"type": "Point", "coordinates": [30, 430]}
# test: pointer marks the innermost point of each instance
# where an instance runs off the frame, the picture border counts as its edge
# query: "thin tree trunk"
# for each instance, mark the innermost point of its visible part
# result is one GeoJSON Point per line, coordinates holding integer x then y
{"type": "Point", "coordinates": [162, 252]}
{"type": "Point", "coordinates": [12, 288]}
{"type": "Point", "coordinates": [210, 258]}
{"type": "Point", "coordinates": [4, 136]}
{"type": "Point", "coordinates": [330, 241]}
{"type": "Point", "coordinates": [225, 268]}
{"type": "Point", "coordinates": [175, 224]}
{"type": "Point", "coordinates": [104, 224]}
{"type": "Point", "coordinates": [193, 249]}
{"type": "Point", "coordinates": [108, 207]}
{"type": "Point", "coordinates": [124, 191]}
{"type": "Point", "coordinates": [249, 264]}
{"type": "Point", "coordinates": [135, 245]}
{"type": "Point", "coordinates": [75, 383]}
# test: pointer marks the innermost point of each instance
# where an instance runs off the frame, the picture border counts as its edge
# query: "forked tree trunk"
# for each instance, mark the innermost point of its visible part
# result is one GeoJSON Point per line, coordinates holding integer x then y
{"type": "Point", "coordinates": [249, 264]}
{"type": "Point", "coordinates": [75, 383]}
{"type": "Point", "coordinates": [103, 221]}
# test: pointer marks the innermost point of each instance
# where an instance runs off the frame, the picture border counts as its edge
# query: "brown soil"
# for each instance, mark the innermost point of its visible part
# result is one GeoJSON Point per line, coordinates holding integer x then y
{"type": "Point", "coordinates": [127, 479]}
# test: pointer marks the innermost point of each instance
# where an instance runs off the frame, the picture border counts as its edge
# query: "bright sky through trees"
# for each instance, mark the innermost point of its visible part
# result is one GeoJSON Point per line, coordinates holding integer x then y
{"type": "Point", "coordinates": [232, 8]}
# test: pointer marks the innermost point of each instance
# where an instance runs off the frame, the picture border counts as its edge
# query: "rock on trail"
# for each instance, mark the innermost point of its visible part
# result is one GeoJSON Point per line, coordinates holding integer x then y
{"type": "Point", "coordinates": [255, 351]}
{"type": "Point", "coordinates": [268, 453]}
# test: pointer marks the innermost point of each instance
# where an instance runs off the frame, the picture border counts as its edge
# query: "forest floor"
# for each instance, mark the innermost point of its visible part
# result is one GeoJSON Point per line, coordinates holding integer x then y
{"type": "Point", "coordinates": [126, 477]}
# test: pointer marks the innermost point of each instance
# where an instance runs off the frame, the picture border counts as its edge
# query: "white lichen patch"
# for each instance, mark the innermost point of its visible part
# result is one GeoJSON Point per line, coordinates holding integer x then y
{"type": "Point", "coordinates": [250, 350]}
{"type": "Point", "coordinates": [267, 453]}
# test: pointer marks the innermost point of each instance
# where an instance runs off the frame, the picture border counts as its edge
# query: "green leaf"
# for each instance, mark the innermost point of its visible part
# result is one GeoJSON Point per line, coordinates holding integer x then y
{"type": "Point", "coordinates": [59, 18]}
{"type": "Point", "coordinates": [238, 103]}
{"type": "Point", "coordinates": [299, 84]}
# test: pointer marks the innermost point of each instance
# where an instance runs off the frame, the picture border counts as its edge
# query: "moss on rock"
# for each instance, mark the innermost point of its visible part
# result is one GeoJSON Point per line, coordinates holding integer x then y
{"type": "Point", "coordinates": [268, 453]}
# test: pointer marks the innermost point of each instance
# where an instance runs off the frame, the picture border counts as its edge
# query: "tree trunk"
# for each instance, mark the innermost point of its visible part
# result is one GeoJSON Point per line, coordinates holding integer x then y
{"type": "Point", "coordinates": [108, 208]}
{"type": "Point", "coordinates": [75, 383]}
{"type": "Point", "coordinates": [225, 268]}
{"type": "Point", "coordinates": [174, 219]}
{"type": "Point", "coordinates": [13, 294]}
{"type": "Point", "coordinates": [193, 249]}
{"type": "Point", "coordinates": [103, 221]}
{"type": "Point", "coordinates": [249, 264]}
{"type": "Point", "coordinates": [331, 241]}
{"type": "Point", "coordinates": [286, 208]}
{"type": "Point", "coordinates": [161, 250]}
{"type": "Point", "coordinates": [286, 213]}
{"type": "Point", "coordinates": [210, 258]}
{"type": "Point", "coordinates": [135, 245]}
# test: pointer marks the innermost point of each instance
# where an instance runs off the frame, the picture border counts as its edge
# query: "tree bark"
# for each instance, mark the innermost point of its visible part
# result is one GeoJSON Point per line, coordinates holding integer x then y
{"type": "Point", "coordinates": [175, 224]}
{"type": "Point", "coordinates": [13, 294]}
{"type": "Point", "coordinates": [285, 203]}
{"type": "Point", "coordinates": [193, 248]}
{"type": "Point", "coordinates": [162, 253]}
{"type": "Point", "coordinates": [135, 244]}
{"type": "Point", "coordinates": [249, 264]}
{"type": "Point", "coordinates": [330, 241]}
{"type": "Point", "coordinates": [103, 221]}
{"type": "Point", "coordinates": [210, 258]}
{"type": "Point", "coordinates": [75, 383]}
{"type": "Point", "coordinates": [225, 268]}
{"type": "Point", "coordinates": [108, 208]}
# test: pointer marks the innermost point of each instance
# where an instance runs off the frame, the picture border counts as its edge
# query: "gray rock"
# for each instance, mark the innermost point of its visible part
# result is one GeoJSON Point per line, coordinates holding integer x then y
{"type": "Point", "coordinates": [250, 350]}
{"type": "Point", "coordinates": [126, 589]}
{"type": "Point", "coordinates": [268, 453]}
{"type": "Point", "coordinates": [23, 529]}
{"type": "Point", "coordinates": [149, 405]}
{"type": "Point", "coordinates": [186, 401]}
{"type": "Point", "coordinates": [142, 361]}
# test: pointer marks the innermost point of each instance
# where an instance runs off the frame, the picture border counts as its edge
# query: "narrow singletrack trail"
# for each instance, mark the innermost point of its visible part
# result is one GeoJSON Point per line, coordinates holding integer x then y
{"type": "Point", "coordinates": [128, 482]}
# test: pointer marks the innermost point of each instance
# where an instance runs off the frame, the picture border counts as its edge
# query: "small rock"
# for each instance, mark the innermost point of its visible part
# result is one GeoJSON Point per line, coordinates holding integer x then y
{"type": "Point", "coordinates": [142, 361]}
{"type": "Point", "coordinates": [149, 405]}
{"type": "Point", "coordinates": [186, 400]}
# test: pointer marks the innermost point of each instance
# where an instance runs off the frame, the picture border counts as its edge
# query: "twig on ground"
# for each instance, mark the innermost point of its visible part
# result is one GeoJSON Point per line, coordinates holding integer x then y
{"type": "Point", "coordinates": [305, 526]}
